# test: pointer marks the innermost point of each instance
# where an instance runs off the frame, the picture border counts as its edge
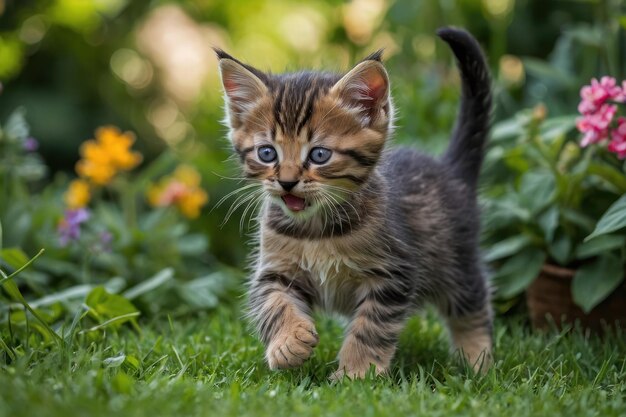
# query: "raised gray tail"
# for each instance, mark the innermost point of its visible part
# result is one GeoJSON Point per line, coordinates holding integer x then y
{"type": "Point", "coordinates": [465, 152]}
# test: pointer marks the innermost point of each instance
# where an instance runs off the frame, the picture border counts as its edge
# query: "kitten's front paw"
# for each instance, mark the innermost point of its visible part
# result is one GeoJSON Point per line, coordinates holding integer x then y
{"type": "Point", "coordinates": [292, 345]}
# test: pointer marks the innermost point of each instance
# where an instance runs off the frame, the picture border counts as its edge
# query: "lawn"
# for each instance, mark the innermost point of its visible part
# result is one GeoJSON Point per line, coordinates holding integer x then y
{"type": "Point", "coordinates": [117, 181]}
{"type": "Point", "coordinates": [211, 365]}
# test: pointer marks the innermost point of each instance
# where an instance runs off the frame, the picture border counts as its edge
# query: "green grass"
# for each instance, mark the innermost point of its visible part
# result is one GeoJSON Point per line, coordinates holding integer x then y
{"type": "Point", "coordinates": [212, 366]}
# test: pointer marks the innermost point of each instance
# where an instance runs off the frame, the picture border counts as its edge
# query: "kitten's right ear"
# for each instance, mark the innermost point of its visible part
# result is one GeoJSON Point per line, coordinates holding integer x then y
{"type": "Point", "coordinates": [243, 86]}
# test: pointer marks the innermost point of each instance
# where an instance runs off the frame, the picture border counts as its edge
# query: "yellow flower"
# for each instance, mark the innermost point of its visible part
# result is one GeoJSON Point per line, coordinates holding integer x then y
{"type": "Point", "coordinates": [108, 154]}
{"type": "Point", "coordinates": [190, 203]}
{"type": "Point", "coordinates": [117, 145]}
{"type": "Point", "coordinates": [99, 174]}
{"type": "Point", "coordinates": [78, 194]}
{"type": "Point", "coordinates": [187, 175]}
{"type": "Point", "coordinates": [181, 190]}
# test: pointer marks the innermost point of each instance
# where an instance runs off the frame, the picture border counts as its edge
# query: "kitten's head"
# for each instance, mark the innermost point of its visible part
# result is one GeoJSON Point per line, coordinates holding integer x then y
{"type": "Point", "coordinates": [310, 138]}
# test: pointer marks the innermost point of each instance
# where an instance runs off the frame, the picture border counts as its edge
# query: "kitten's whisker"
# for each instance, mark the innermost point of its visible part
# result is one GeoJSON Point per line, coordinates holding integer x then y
{"type": "Point", "coordinates": [238, 190]}
{"type": "Point", "coordinates": [325, 214]}
{"type": "Point", "coordinates": [254, 209]}
{"type": "Point", "coordinates": [337, 203]}
{"type": "Point", "coordinates": [236, 204]}
{"type": "Point", "coordinates": [323, 207]}
{"type": "Point", "coordinates": [334, 210]}
{"type": "Point", "coordinates": [348, 203]}
{"type": "Point", "coordinates": [335, 187]}
{"type": "Point", "coordinates": [228, 178]}
{"type": "Point", "coordinates": [248, 206]}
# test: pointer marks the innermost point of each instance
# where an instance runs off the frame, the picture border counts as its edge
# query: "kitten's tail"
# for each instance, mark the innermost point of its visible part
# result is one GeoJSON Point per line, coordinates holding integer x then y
{"type": "Point", "coordinates": [465, 152]}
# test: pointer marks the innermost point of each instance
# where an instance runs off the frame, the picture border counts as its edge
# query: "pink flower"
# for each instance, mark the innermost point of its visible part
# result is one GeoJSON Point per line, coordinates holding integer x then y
{"type": "Point", "coordinates": [172, 192]}
{"type": "Point", "coordinates": [618, 139]}
{"type": "Point", "coordinates": [595, 95]}
{"type": "Point", "coordinates": [595, 125]}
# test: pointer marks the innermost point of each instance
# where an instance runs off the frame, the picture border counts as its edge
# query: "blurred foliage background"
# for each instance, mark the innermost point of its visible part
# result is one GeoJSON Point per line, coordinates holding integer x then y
{"type": "Point", "coordinates": [147, 66]}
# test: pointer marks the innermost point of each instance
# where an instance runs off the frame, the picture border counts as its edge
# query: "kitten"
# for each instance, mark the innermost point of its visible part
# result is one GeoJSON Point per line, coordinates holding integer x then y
{"type": "Point", "coordinates": [351, 227]}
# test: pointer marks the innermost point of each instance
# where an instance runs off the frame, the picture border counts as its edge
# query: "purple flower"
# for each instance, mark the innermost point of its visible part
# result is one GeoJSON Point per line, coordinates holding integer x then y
{"type": "Point", "coordinates": [30, 144]}
{"type": "Point", "coordinates": [106, 238]}
{"type": "Point", "coordinates": [69, 226]}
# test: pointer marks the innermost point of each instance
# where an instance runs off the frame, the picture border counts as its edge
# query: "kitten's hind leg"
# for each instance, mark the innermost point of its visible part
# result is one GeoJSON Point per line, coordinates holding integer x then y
{"type": "Point", "coordinates": [468, 313]}
{"type": "Point", "coordinates": [280, 308]}
{"type": "Point", "coordinates": [472, 337]}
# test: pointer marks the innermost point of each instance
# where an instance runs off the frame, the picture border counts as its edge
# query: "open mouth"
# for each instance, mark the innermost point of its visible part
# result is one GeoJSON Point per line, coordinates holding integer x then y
{"type": "Point", "coordinates": [294, 203]}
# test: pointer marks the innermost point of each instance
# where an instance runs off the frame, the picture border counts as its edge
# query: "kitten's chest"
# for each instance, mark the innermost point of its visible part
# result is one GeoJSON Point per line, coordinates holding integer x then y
{"type": "Point", "coordinates": [334, 267]}
{"type": "Point", "coordinates": [325, 260]}
{"type": "Point", "coordinates": [336, 273]}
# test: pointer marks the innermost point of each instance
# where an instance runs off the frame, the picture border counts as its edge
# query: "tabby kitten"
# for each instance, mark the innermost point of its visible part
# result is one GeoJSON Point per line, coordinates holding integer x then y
{"type": "Point", "coordinates": [352, 227]}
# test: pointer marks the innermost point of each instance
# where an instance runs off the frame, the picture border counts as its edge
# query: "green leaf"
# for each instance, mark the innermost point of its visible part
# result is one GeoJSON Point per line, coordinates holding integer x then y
{"type": "Point", "coordinates": [614, 219]}
{"type": "Point", "coordinates": [611, 175]}
{"type": "Point", "coordinates": [104, 305]}
{"type": "Point", "coordinates": [150, 284]}
{"type": "Point", "coordinates": [63, 296]}
{"type": "Point", "coordinates": [548, 221]}
{"type": "Point", "coordinates": [506, 247]}
{"type": "Point", "coordinates": [14, 257]}
{"type": "Point", "coordinates": [25, 265]}
{"type": "Point", "coordinates": [203, 292]}
{"type": "Point", "coordinates": [192, 244]}
{"type": "Point", "coordinates": [545, 71]}
{"type": "Point", "coordinates": [114, 361]}
{"type": "Point", "coordinates": [558, 126]}
{"type": "Point", "coordinates": [516, 274]}
{"type": "Point", "coordinates": [132, 362]}
{"type": "Point", "coordinates": [14, 292]}
{"type": "Point", "coordinates": [561, 249]}
{"type": "Point", "coordinates": [517, 160]}
{"type": "Point", "coordinates": [600, 245]}
{"type": "Point", "coordinates": [579, 219]}
{"type": "Point", "coordinates": [537, 189]}
{"type": "Point", "coordinates": [506, 129]}
{"type": "Point", "coordinates": [593, 36]}
{"type": "Point", "coordinates": [594, 281]}
{"type": "Point", "coordinates": [505, 211]}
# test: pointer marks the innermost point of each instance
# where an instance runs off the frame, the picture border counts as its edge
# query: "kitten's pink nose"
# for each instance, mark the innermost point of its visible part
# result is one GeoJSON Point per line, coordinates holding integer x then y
{"type": "Point", "coordinates": [287, 185]}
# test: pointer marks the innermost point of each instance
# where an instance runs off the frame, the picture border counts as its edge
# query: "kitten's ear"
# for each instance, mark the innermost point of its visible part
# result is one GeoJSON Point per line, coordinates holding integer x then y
{"type": "Point", "coordinates": [366, 88]}
{"type": "Point", "coordinates": [243, 86]}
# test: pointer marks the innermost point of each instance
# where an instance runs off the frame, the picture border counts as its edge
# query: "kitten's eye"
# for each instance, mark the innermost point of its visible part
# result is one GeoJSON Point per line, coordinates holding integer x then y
{"type": "Point", "coordinates": [320, 155]}
{"type": "Point", "coordinates": [267, 154]}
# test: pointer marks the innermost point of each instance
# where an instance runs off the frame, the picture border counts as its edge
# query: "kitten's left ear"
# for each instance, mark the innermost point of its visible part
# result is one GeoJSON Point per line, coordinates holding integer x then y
{"type": "Point", "coordinates": [366, 89]}
{"type": "Point", "coordinates": [243, 86]}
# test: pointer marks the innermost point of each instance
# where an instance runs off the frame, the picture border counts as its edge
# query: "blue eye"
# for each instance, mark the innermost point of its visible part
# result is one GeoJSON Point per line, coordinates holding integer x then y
{"type": "Point", "coordinates": [320, 155]}
{"type": "Point", "coordinates": [267, 154]}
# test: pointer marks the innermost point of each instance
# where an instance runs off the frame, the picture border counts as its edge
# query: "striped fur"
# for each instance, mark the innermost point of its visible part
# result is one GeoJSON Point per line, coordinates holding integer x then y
{"type": "Point", "coordinates": [384, 231]}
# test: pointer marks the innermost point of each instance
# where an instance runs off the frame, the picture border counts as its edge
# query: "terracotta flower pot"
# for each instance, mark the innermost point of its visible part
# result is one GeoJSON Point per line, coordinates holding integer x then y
{"type": "Point", "coordinates": [551, 294]}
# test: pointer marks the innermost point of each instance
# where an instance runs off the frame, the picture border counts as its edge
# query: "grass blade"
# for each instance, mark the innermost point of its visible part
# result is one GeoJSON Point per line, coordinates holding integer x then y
{"type": "Point", "coordinates": [111, 321]}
